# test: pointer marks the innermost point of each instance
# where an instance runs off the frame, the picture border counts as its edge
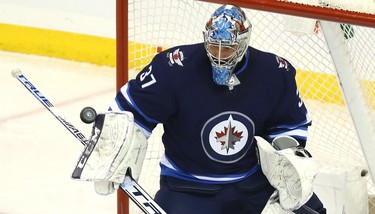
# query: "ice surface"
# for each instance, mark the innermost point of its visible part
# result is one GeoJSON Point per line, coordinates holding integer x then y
{"type": "Point", "coordinates": [37, 153]}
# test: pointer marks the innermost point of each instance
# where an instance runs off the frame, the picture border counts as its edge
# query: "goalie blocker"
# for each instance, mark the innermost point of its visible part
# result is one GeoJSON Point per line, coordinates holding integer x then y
{"type": "Point", "coordinates": [116, 147]}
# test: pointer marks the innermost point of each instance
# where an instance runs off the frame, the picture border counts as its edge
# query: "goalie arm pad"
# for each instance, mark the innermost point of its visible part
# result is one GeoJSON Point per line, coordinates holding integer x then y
{"type": "Point", "coordinates": [116, 145]}
{"type": "Point", "coordinates": [290, 170]}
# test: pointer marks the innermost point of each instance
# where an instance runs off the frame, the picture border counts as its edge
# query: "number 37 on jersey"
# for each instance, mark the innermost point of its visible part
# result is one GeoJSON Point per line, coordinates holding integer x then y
{"type": "Point", "coordinates": [147, 77]}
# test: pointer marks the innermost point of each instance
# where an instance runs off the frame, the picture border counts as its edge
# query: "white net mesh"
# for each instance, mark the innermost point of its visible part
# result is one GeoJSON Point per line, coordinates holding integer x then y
{"type": "Point", "coordinates": [332, 138]}
{"type": "Point", "coordinates": [362, 6]}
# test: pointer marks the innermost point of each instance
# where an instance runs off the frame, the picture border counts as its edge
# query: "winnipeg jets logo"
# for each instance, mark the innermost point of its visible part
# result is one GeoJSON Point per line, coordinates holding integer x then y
{"type": "Point", "coordinates": [176, 57]}
{"type": "Point", "coordinates": [226, 137]}
{"type": "Point", "coordinates": [282, 63]}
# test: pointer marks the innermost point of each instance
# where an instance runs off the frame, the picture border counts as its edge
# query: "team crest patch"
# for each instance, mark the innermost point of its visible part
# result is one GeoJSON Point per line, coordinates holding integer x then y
{"type": "Point", "coordinates": [282, 63]}
{"type": "Point", "coordinates": [227, 137]}
{"type": "Point", "coordinates": [176, 57]}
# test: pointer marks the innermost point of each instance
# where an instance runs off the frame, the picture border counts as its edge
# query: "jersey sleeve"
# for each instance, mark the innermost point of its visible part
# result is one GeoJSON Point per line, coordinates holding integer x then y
{"type": "Point", "coordinates": [150, 96]}
{"type": "Point", "coordinates": [290, 116]}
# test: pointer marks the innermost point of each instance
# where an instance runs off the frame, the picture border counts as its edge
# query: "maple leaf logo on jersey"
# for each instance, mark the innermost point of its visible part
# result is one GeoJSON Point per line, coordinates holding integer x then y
{"type": "Point", "coordinates": [228, 138]}
{"type": "Point", "coordinates": [176, 57]}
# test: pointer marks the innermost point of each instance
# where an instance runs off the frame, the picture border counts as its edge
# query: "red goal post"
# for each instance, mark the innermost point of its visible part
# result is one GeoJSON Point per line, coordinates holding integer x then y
{"type": "Point", "coordinates": [341, 84]}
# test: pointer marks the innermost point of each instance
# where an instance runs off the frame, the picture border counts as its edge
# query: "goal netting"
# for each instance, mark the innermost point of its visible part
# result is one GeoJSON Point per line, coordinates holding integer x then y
{"type": "Point", "coordinates": [333, 51]}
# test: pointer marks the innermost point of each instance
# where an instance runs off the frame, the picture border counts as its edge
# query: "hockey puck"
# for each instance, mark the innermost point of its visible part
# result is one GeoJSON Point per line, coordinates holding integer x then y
{"type": "Point", "coordinates": [88, 115]}
{"type": "Point", "coordinates": [16, 72]}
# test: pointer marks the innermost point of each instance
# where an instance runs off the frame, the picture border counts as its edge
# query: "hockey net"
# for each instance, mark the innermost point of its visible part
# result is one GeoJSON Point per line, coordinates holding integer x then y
{"type": "Point", "coordinates": [334, 59]}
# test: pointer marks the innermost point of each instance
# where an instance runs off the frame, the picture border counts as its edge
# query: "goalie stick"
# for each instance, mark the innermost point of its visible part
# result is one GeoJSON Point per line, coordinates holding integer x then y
{"type": "Point", "coordinates": [135, 192]}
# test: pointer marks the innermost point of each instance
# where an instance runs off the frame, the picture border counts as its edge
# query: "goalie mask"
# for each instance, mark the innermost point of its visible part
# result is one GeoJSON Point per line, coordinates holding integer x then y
{"type": "Point", "coordinates": [226, 39]}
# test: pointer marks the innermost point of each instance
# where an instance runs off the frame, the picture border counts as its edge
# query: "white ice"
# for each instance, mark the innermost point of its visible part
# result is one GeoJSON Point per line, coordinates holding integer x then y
{"type": "Point", "coordinates": [37, 153]}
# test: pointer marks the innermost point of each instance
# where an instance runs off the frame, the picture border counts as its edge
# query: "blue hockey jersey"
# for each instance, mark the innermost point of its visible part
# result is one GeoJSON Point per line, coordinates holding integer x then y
{"type": "Point", "coordinates": [208, 129]}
